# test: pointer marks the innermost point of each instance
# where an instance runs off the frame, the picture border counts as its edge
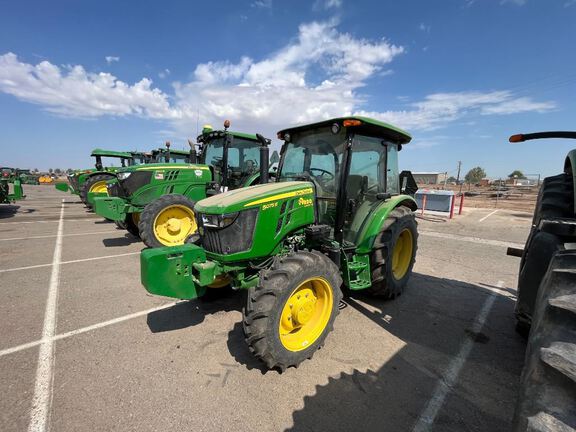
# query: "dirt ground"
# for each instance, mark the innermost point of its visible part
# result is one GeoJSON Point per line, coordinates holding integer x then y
{"type": "Point", "coordinates": [443, 356]}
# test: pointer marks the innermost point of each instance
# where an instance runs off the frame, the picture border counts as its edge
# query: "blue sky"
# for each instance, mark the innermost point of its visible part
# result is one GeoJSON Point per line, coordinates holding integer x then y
{"type": "Point", "coordinates": [459, 75]}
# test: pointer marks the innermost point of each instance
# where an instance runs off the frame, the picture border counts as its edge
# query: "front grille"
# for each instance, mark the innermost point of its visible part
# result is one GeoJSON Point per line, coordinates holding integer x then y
{"type": "Point", "coordinates": [236, 237]}
{"type": "Point", "coordinates": [135, 181]}
{"type": "Point", "coordinates": [114, 190]}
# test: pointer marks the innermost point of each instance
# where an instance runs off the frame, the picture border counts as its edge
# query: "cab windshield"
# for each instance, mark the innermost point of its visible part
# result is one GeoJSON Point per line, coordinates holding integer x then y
{"type": "Point", "coordinates": [243, 159]}
{"type": "Point", "coordinates": [316, 155]}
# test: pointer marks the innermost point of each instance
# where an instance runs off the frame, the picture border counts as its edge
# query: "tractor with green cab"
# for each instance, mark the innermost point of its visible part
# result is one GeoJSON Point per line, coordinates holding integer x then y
{"type": "Point", "coordinates": [8, 177]}
{"type": "Point", "coordinates": [339, 217]}
{"type": "Point", "coordinates": [88, 183]}
{"type": "Point", "coordinates": [156, 201]}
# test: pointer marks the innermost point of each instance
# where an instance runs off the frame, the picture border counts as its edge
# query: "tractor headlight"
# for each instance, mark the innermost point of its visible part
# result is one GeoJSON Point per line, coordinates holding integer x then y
{"type": "Point", "coordinates": [123, 175]}
{"type": "Point", "coordinates": [218, 221]}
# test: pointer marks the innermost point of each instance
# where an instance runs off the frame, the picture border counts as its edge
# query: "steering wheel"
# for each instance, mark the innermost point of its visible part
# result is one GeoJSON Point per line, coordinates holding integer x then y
{"type": "Point", "coordinates": [329, 175]}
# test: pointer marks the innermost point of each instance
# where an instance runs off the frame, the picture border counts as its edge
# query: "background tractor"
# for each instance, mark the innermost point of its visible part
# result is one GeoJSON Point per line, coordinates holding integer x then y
{"type": "Point", "coordinates": [156, 201]}
{"type": "Point", "coordinates": [546, 303]}
{"type": "Point", "coordinates": [339, 215]}
{"type": "Point", "coordinates": [8, 176]}
{"type": "Point", "coordinates": [88, 183]}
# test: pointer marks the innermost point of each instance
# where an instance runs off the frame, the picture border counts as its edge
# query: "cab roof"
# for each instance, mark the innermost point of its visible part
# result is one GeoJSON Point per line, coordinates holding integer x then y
{"type": "Point", "coordinates": [368, 125]}
{"type": "Point", "coordinates": [110, 153]}
{"type": "Point", "coordinates": [216, 133]}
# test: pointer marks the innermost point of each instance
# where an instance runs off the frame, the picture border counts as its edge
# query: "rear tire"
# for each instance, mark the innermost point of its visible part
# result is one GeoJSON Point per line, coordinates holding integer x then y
{"type": "Point", "coordinates": [555, 200]}
{"type": "Point", "coordinates": [91, 183]}
{"type": "Point", "coordinates": [548, 384]}
{"type": "Point", "coordinates": [292, 309]}
{"type": "Point", "coordinates": [157, 226]}
{"type": "Point", "coordinates": [386, 281]}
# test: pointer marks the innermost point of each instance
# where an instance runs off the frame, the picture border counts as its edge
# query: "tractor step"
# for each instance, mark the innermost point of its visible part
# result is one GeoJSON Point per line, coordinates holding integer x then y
{"type": "Point", "coordinates": [358, 270]}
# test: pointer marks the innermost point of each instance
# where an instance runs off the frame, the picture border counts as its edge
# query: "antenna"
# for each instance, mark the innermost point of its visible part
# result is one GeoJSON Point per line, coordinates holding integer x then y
{"type": "Point", "coordinates": [197, 119]}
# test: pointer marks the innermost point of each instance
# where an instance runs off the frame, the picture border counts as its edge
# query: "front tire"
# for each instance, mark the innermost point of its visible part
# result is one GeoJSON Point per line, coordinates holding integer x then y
{"type": "Point", "coordinates": [293, 308]}
{"type": "Point", "coordinates": [394, 254]}
{"type": "Point", "coordinates": [168, 221]}
{"type": "Point", "coordinates": [131, 223]}
{"type": "Point", "coordinates": [96, 183]}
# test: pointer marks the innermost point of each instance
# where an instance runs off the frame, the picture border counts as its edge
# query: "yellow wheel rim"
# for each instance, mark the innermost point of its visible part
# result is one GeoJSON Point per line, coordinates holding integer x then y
{"type": "Point", "coordinates": [221, 281]}
{"type": "Point", "coordinates": [99, 187]}
{"type": "Point", "coordinates": [135, 218]}
{"type": "Point", "coordinates": [402, 254]}
{"type": "Point", "coordinates": [306, 314]}
{"type": "Point", "coordinates": [174, 224]}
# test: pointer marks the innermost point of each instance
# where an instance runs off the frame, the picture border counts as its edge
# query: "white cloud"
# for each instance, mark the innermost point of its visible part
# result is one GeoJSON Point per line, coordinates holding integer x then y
{"type": "Point", "coordinates": [71, 91]}
{"type": "Point", "coordinates": [163, 74]}
{"type": "Point", "coordinates": [262, 4]}
{"type": "Point", "coordinates": [319, 74]}
{"type": "Point", "coordinates": [112, 59]}
{"type": "Point", "coordinates": [515, 2]}
{"type": "Point", "coordinates": [425, 28]}
{"type": "Point", "coordinates": [327, 4]}
{"type": "Point", "coordinates": [439, 109]}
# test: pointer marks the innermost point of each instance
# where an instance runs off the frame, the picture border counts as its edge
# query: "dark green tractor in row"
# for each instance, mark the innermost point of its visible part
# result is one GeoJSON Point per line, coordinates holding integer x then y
{"type": "Point", "coordinates": [339, 216]}
{"type": "Point", "coordinates": [546, 303]}
{"type": "Point", "coordinates": [156, 201]}
{"type": "Point", "coordinates": [9, 177]}
{"type": "Point", "coordinates": [91, 182]}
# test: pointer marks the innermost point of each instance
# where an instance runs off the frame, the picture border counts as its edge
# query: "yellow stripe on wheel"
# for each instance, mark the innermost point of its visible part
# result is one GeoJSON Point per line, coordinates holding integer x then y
{"type": "Point", "coordinates": [402, 254]}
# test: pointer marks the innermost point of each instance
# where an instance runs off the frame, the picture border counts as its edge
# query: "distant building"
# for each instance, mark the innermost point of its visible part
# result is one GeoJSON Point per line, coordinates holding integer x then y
{"type": "Point", "coordinates": [429, 178]}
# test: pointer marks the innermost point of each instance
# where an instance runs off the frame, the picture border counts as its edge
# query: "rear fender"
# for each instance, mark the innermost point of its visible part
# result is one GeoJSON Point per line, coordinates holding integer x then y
{"type": "Point", "coordinates": [376, 219]}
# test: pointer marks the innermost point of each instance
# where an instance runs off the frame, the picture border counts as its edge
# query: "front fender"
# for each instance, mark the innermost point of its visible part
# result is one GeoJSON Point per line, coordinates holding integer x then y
{"type": "Point", "coordinates": [376, 218]}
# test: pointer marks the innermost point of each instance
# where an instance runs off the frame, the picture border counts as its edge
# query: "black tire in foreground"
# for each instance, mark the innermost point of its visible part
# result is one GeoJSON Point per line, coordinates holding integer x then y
{"type": "Point", "coordinates": [547, 400]}
{"type": "Point", "coordinates": [538, 255]}
{"type": "Point", "coordinates": [394, 254]}
{"type": "Point", "coordinates": [88, 184]}
{"type": "Point", "coordinates": [555, 200]}
{"type": "Point", "coordinates": [167, 221]}
{"type": "Point", "coordinates": [292, 309]}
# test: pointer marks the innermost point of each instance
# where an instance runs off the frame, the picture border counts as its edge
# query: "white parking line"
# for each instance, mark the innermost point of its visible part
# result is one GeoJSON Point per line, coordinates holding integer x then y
{"type": "Point", "coordinates": [470, 239]}
{"type": "Point", "coordinates": [450, 376]}
{"type": "Point", "coordinates": [69, 262]}
{"type": "Point", "coordinates": [488, 215]}
{"type": "Point", "coordinates": [54, 235]}
{"type": "Point", "coordinates": [91, 219]}
{"type": "Point", "coordinates": [87, 329]}
{"type": "Point", "coordinates": [43, 388]}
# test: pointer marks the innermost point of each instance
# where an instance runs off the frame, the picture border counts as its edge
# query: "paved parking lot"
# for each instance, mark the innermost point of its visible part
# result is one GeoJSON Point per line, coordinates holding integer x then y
{"type": "Point", "coordinates": [84, 347]}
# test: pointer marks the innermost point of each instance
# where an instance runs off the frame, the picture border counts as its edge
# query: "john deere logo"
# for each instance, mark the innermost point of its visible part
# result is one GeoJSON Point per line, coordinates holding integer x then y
{"type": "Point", "coordinates": [198, 173]}
{"type": "Point", "coordinates": [159, 175]}
{"type": "Point", "coordinates": [304, 202]}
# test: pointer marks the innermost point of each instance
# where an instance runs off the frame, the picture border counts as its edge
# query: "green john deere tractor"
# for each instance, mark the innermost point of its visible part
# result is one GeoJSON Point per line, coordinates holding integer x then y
{"type": "Point", "coordinates": [91, 182]}
{"type": "Point", "coordinates": [8, 176]}
{"type": "Point", "coordinates": [339, 214]}
{"type": "Point", "coordinates": [156, 201]}
{"type": "Point", "coordinates": [546, 303]}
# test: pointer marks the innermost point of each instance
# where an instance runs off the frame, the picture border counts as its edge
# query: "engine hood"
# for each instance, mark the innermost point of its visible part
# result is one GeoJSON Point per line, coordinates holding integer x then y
{"type": "Point", "coordinates": [254, 196]}
{"type": "Point", "coordinates": [164, 166]}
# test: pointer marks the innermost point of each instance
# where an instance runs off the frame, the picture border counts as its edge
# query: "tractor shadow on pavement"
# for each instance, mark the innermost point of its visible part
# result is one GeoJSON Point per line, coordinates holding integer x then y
{"type": "Point", "coordinates": [127, 240]}
{"type": "Point", "coordinates": [193, 312]}
{"type": "Point", "coordinates": [393, 396]}
{"type": "Point", "coordinates": [8, 210]}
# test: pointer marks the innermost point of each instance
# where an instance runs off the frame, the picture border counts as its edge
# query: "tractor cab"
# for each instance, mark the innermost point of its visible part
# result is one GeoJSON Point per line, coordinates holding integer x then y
{"type": "Point", "coordinates": [111, 159]}
{"type": "Point", "coordinates": [353, 165]}
{"type": "Point", "coordinates": [234, 157]}
{"type": "Point", "coordinates": [166, 155]}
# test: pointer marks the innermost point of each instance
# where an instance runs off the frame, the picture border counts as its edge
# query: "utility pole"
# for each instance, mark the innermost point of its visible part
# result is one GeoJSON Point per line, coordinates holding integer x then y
{"type": "Point", "coordinates": [458, 175]}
